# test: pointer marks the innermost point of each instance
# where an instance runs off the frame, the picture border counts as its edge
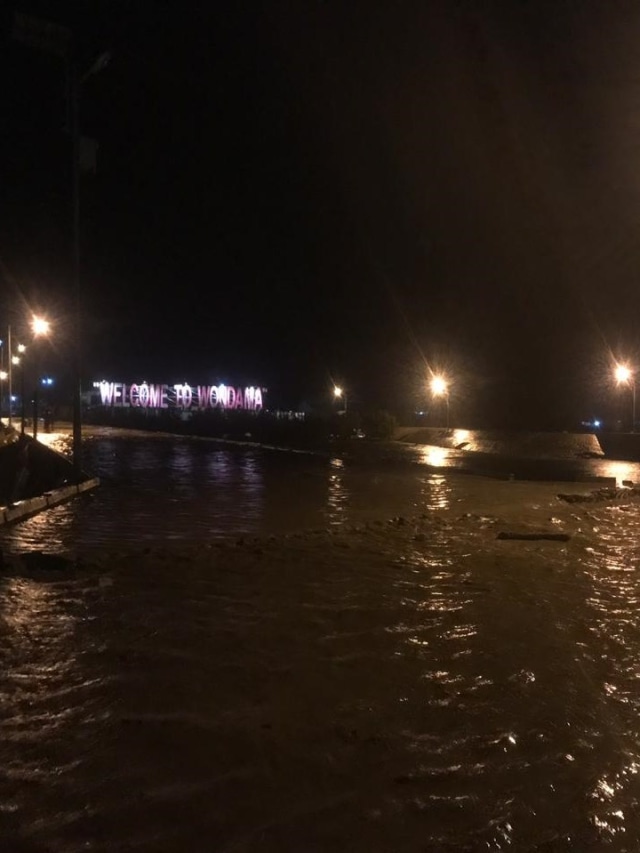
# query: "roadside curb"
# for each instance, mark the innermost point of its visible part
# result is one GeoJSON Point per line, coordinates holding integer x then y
{"type": "Point", "coordinates": [32, 506]}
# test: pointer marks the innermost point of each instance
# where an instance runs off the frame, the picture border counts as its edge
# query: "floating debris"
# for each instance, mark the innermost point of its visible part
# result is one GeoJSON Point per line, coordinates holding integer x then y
{"type": "Point", "coordinates": [533, 535]}
{"type": "Point", "coordinates": [604, 494]}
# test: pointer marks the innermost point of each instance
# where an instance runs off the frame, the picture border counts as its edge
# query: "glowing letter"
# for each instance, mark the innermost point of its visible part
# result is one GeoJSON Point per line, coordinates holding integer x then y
{"type": "Point", "coordinates": [203, 394]}
{"type": "Point", "coordinates": [154, 396]}
{"type": "Point", "coordinates": [106, 393]}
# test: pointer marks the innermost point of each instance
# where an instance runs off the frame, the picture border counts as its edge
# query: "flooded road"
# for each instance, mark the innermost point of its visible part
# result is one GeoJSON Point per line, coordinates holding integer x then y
{"type": "Point", "coordinates": [158, 490]}
{"type": "Point", "coordinates": [396, 680]}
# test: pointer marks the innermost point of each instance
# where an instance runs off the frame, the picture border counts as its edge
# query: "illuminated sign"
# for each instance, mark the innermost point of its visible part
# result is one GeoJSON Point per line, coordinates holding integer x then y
{"type": "Point", "coordinates": [150, 396]}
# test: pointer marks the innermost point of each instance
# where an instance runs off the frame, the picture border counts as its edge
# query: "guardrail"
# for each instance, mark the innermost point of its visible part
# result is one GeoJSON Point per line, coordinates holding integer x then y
{"type": "Point", "coordinates": [20, 510]}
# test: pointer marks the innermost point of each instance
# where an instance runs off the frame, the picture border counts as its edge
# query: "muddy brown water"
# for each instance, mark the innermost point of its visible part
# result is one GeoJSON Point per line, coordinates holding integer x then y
{"type": "Point", "coordinates": [396, 680]}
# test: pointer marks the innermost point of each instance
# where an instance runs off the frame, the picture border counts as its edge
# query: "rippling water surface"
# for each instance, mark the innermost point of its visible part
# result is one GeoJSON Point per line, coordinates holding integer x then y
{"type": "Point", "coordinates": [376, 685]}
{"type": "Point", "coordinates": [156, 489]}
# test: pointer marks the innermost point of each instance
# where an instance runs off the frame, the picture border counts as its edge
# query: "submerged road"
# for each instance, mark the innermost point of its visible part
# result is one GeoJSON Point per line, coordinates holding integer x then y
{"type": "Point", "coordinates": [163, 489]}
{"type": "Point", "coordinates": [398, 679]}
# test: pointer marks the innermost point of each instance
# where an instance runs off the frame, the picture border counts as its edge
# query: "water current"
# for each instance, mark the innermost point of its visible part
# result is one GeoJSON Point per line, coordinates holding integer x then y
{"type": "Point", "coordinates": [395, 680]}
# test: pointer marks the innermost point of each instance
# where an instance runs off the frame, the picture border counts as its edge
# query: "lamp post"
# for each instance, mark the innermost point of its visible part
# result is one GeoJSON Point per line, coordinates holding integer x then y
{"type": "Point", "coordinates": [10, 371]}
{"type": "Point", "coordinates": [16, 361]}
{"type": "Point", "coordinates": [440, 388]}
{"type": "Point", "coordinates": [76, 81]}
{"type": "Point", "coordinates": [58, 40]}
{"type": "Point", "coordinates": [3, 378]}
{"type": "Point", "coordinates": [340, 394]}
{"type": "Point", "coordinates": [624, 375]}
{"type": "Point", "coordinates": [40, 328]}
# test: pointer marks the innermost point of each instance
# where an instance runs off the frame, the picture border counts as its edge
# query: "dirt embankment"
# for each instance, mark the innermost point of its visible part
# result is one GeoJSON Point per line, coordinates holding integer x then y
{"type": "Point", "coordinates": [522, 445]}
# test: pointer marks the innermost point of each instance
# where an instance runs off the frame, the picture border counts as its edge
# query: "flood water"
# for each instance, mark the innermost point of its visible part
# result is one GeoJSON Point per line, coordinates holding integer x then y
{"type": "Point", "coordinates": [157, 490]}
{"type": "Point", "coordinates": [371, 686]}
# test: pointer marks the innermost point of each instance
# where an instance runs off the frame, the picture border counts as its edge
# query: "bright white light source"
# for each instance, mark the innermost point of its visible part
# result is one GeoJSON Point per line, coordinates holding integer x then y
{"type": "Point", "coordinates": [622, 373]}
{"type": "Point", "coordinates": [439, 386]}
{"type": "Point", "coordinates": [40, 326]}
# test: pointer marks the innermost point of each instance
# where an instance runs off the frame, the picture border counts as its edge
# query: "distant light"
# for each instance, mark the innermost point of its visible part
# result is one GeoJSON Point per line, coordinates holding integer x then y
{"type": "Point", "coordinates": [439, 386]}
{"type": "Point", "coordinates": [3, 375]}
{"type": "Point", "coordinates": [623, 373]}
{"type": "Point", "coordinates": [15, 359]}
{"type": "Point", "coordinates": [21, 348]}
{"type": "Point", "coordinates": [337, 391]}
{"type": "Point", "coordinates": [40, 326]}
{"type": "Point", "coordinates": [596, 424]}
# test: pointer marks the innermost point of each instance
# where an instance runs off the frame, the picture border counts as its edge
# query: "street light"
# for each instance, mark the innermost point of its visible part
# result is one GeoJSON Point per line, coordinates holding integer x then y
{"type": "Point", "coordinates": [624, 375]}
{"type": "Point", "coordinates": [340, 393]}
{"type": "Point", "coordinates": [58, 40]}
{"type": "Point", "coordinates": [41, 328]}
{"type": "Point", "coordinates": [440, 388]}
{"type": "Point", "coordinates": [16, 361]}
{"type": "Point", "coordinates": [77, 81]}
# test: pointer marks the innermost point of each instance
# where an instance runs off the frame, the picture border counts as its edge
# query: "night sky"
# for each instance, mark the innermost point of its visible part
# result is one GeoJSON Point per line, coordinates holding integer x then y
{"type": "Point", "coordinates": [295, 193]}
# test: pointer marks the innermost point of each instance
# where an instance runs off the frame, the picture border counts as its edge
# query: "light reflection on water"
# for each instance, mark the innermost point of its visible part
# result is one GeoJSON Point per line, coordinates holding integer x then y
{"type": "Point", "coordinates": [619, 469]}
{"type": "Point", "coordinates": [436, 457]}
{"type": "Point", "coordinates": [156, 489]}
{"type": "Point", "coordinates": [434, 691]}
{"type": "Point", "coordinates": [613, 601]}
{"type": "Point", "coordinates": [337, 495]}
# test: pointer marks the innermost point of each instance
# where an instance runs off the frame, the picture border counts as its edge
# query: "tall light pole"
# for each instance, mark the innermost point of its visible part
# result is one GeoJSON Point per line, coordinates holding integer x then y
{"type": "Point", "coordinates": [57, 40]}
{"type": "Point", "coordinates": [76, 81]}
{"type": "Point", "coordinates": [10, 371]}
{"type": "Point", "coordinates": [40, 328]}
{"type": "Point", "coordinates": [3, 378]}
{"type": "Point", "coordinates": [440, 388]}
{"type": "Point", "coordinates": [624, 375]}
{"type": "Point", "coordinates": [340, 394]}
{"type": "Point", "coordinates": [16, 361]}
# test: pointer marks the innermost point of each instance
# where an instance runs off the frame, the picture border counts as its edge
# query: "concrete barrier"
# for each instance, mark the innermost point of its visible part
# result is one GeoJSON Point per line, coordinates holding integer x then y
{"type": "Point", "coordinates": [32, 506]}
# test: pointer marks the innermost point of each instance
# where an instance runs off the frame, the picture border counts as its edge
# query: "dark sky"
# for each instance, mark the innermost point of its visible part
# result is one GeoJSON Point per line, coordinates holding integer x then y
{"type": "Point", "coordinates": [292, 192]}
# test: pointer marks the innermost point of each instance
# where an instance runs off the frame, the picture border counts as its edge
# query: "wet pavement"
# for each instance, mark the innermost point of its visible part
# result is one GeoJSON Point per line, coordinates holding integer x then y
{"type": "Point", "coordinates": [394, 679]}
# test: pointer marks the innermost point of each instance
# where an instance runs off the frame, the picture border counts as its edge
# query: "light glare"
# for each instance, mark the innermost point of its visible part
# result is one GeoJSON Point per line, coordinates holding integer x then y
{"type": "Point", "coordinates": [622, 373]}
{"type": "Point", "coordinates": [40, 326]}
{"type": "Point", "coordinates": [439, 386]}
